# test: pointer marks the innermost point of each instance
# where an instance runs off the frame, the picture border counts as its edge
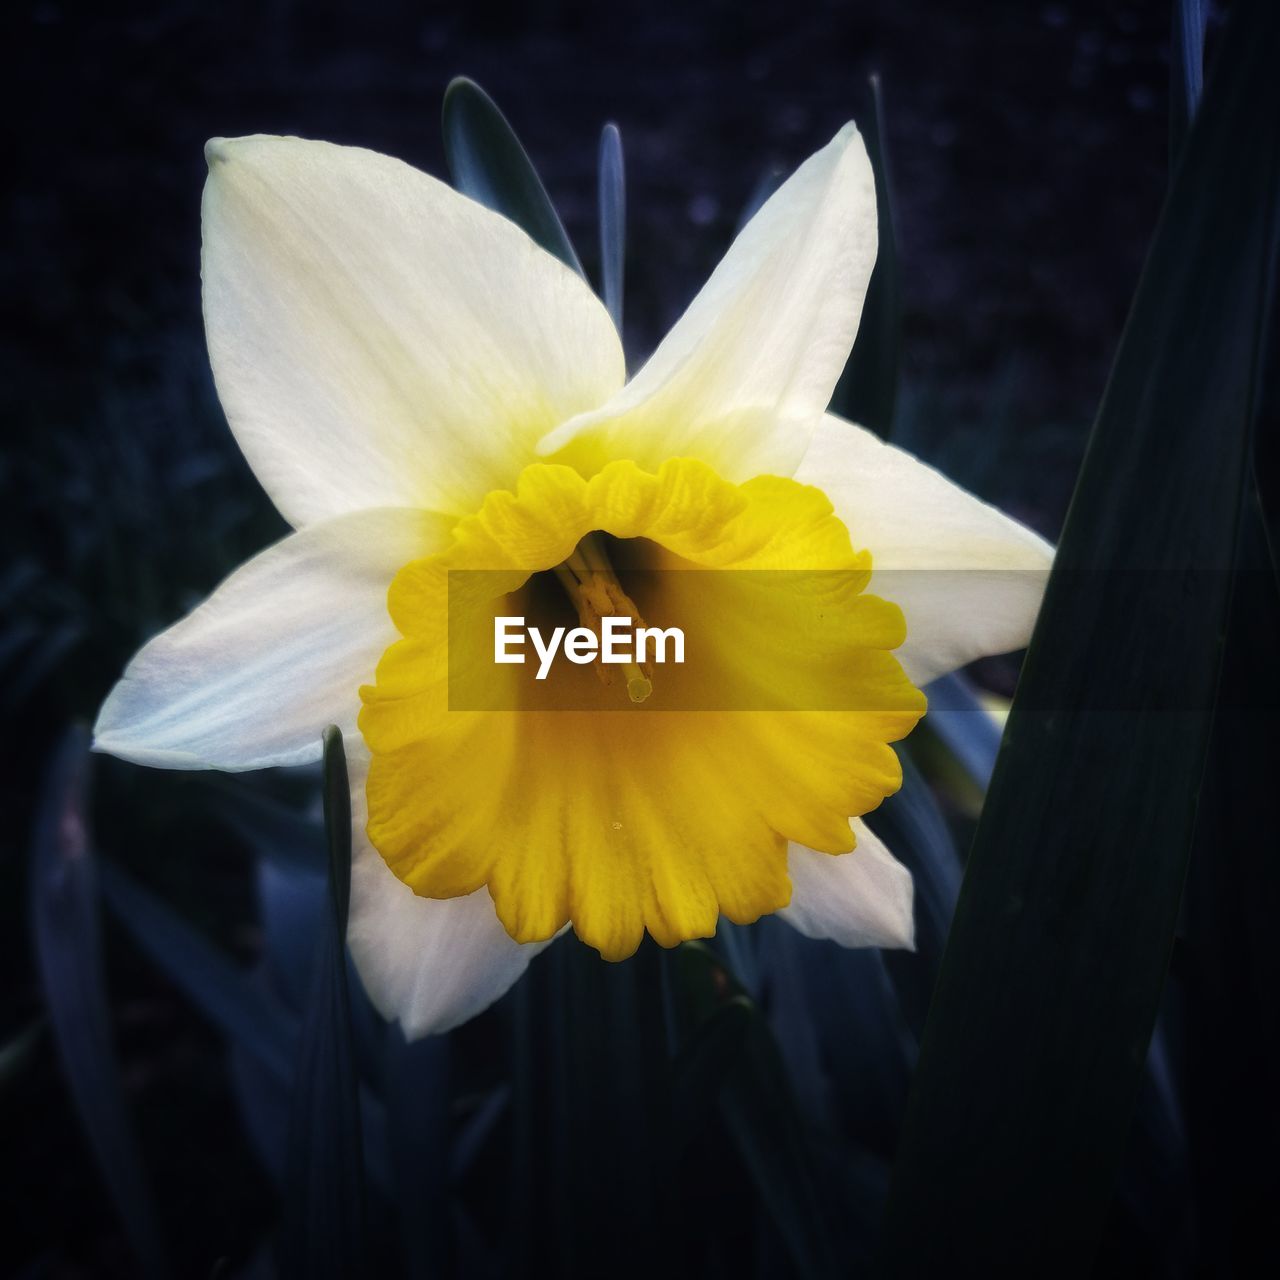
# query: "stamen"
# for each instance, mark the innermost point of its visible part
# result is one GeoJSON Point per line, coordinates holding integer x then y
{"type": "Point", "coordinates": [591, 583]}
{"type": "Point", "coordinates": [639, 686]}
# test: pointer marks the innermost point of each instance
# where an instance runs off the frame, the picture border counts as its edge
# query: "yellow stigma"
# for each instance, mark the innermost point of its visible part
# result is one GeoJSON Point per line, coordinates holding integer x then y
{"type": "Point", "coordinates": [590, 582]}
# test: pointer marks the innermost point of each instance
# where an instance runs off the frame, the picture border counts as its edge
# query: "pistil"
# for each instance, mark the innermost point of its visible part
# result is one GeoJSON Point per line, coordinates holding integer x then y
{"type": "Point", "coordinates": [590, 582]}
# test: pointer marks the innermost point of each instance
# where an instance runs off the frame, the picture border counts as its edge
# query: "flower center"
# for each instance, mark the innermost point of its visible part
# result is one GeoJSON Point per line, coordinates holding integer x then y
{"type": "Point", "coordinates": [593, 587]}
{"type": "Point", "coordinates": [674, 806]}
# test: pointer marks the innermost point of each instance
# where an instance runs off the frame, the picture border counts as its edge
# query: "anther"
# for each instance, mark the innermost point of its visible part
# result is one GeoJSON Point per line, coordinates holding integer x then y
{"type": "Point", "coordinates": [590, 582]}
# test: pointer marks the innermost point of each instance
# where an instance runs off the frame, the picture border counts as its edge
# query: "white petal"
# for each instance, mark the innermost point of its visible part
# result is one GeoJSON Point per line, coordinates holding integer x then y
{"type": "Point", "coordinates": [858, 899]}
{"type": "Point", "coordinates": [252, 677]}
{"type": "Point", "coordinates": [741, 379]}
{"type": "Point", "coordinates": [431, 963]}
{"type": "Point", "coordinates": [968, 578]}
{"type": "Point", "coordinates": [379, 340]}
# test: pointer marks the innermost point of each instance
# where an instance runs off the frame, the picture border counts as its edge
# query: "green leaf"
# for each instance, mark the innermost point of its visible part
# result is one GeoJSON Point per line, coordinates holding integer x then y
{"type": "Point", "coordinates": [1266, 478]}
{"type": "Point", "coordinates": [615, 1076]}
{"type": "Point", "coordinates": [867, 392]}
{"type": "Point", "coordinates": [760, 1114]}
{"type": "Point", "coordinates": [323, 1231]}
{"type": "Point", "coordinates": [489, 165]}
{"type": "Point", "coordinates": [613, 221]}
{"type": "Point", "coordinates": [215, 984]}
{"type": "Point", "coordinates": [704, 982]}
{"type": "Point", "coordinates": [1036, 1040]}
{"type": "Point", "coordinates": [965, 726]}
{"type": "Point", "coordinates": [1186, 70]}
{"type": "Point", "coordinates": [540, 1217]}
{"type": "Point", "coordinates": [418, 1134]}
{"type": "Point", "coordinates": [66, 926]}
{"type": "Point", "coordinates": [729, 1060]}
{"type": "Point", "coordinates": [289, 906]}
{"type": "Point", "coordinates": [242, 1007]}
{"type": "Point", "coordinates": [701, 1068]}
{"type": "Point", "coordinates": [912, 824]}
{"type": "Point", "coordinates": [274, 830]}
{"type": "Point", "coordinates": [840, 1028]}
{"type": "Point", "coordinates": [1231, 963]}
{"type": "Point", "coordinates": [17, 1053]}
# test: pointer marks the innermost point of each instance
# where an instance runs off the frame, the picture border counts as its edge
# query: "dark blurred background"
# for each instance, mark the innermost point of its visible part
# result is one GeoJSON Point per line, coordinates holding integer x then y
{"type": "Point", "coordinates": [1028, 154]}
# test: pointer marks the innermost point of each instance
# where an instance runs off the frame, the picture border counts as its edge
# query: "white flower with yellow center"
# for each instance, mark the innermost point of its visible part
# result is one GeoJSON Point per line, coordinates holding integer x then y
{"type": "Point", "coordinates": [421, 390]}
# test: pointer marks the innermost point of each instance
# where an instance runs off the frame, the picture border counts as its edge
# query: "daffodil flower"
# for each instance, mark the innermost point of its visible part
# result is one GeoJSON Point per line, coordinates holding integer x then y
{"type": "Point", "coordinates": [421, 390]}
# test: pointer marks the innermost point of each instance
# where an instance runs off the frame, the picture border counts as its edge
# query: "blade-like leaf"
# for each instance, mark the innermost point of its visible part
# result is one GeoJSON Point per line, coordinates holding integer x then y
{"type": "Point", "coordinates": [539, 1217]}
{"type": "Point", "coordinates": [238, 1003]}
{"type": "Point", "coordinates": [737, 946]}
{"type": "Point", "coordinates": [489, 164]}
{"type": "Point", "coordinates": [418, 1133]}
{"type": "Point", "coordinates": [1266, 477]}
{"type": "Point", "coordinates": [613, 221]}
{"type": "Point", "coordinates": [701, 1068]}
{"type": "Point", "coordinates": [243, 1011]}
{"type": "Point", "coordinates": [760, 1114]}
{"type": "Point", "coordinates": [867, 392]}
{"type": "Point", "coordinates": [324, 1214]}
{"type": "Point", "coordinates": [275, 831]}
{"type": "Point", "coordinates": [967, 728]}
{"type": "Point", "coordinates": [1266, 457]}
{"type": "Point", "coordinates": [1186, 70]}
{"type": "Point", "coordinates": [704, 982]}
{"type": "Point", "coordinates": [65, 923]}
{"type": "Point", "coordinates": [614, 1076]}
{"type": "Point", "coordinates": [1049, 989]}
{"type": "Point", "coordinates": [914, 828]}
{"type": "Point", "coordinates": [840, 1029]}
{"type": "Point", "coordinates": [17, 1053]}
{"type": "Point", "coordinates": [290, 904]}
{"type": "Point", "coordinates": [263, 1099]}
{"type": "Point", "coordinates": [729, 1057]}
{"type": "Point", "coordinates": [1231, 962]}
